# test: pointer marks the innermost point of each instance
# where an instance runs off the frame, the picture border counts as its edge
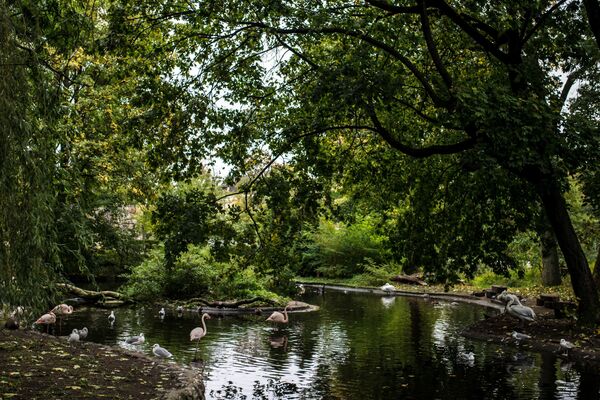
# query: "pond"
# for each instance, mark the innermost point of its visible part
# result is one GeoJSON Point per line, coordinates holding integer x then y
{"type": "Point", "coordinates": [358, 346]}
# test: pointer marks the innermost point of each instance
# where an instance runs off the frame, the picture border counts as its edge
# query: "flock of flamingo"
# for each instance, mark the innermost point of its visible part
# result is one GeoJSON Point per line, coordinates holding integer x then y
{"type": "Point", "coordinates": [196, 334]}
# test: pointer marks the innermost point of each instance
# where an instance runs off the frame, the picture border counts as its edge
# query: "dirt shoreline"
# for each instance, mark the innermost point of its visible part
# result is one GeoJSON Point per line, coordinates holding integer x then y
{"type": "Point", "coordinates": [34, 365]}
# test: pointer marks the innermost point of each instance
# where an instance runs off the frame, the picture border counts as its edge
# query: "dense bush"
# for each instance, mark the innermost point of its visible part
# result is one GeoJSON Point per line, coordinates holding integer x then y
{"type": "Point", "coordinates": [336, 250]}
{"type": "Point", "coordinates": [195, 274]}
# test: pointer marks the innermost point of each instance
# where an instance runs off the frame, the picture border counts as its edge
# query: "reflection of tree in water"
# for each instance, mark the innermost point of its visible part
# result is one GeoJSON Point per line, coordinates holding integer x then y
{"type": "Point", "coordinates": [273, 389]}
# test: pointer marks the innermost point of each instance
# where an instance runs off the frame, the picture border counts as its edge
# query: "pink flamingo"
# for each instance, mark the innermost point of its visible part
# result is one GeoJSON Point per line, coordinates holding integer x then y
{"type": "Point", "coordinates": [47, 319]}
{"type": "Point", "coordinates": [198, 333]}
{"type": "Point", "coordinates": [61, 310]}
{"type": "Point", "coordinates": [278, 317]}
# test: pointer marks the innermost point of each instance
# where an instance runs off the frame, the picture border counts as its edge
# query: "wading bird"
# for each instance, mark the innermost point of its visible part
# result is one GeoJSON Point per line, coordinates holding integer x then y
{"type": "Point", "coordinates": [112, 318]}
{"type": "Point", "coordinates": [47, 319]}
{"type": "Point", "coordinates": [160, 352]}
{"type": "Point", "coordinates": [74, 336]}
{"type": "Point", "coordinates": [566, 346]}
{"type": "Point", "coordinates": [278, 317]}
{"type": "Point", "coordinates": [517, 310]}
{"type": "Point", "coordinates": [198, 333]}
{"type": "Point", "coordinates": [161, 313]}
{"type": "Point", "coordinates": [136, 339]}
{"type": "Point", "coordinates": [61, 311]}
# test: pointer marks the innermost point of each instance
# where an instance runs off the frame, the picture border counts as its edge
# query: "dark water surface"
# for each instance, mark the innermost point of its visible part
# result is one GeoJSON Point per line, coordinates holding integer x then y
{"type": "Point", "coordinates": [357, 346]}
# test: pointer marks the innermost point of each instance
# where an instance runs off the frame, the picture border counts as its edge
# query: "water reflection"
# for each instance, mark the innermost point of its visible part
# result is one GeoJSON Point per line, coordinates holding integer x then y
{"type": "Point", "coordinates": [388, 301]}
{"type": "Point", "coordinates": [356, 347]}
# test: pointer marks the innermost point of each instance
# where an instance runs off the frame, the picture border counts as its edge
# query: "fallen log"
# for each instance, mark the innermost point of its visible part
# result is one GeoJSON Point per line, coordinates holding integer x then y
{"type": "Point", "coordinates": [104, 296]}
{"type": "Point", "coordinates": [409, 279]}
{"type": "Point", "coordinates": [227, 304]}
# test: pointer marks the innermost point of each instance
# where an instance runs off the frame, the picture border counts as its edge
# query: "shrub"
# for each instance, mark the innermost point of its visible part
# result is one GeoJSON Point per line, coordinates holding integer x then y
{"type": "Point", "coordinates": [338, 251]}
{"type": "Point", "coordinates": [194, 274]}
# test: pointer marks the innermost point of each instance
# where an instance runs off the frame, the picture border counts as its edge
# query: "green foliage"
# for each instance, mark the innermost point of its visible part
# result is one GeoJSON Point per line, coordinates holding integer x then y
{"type": "Point", "coordinates": [339, 250]}
{"type": "Point", "coordinates": [28, 138]}
{"type": "Point", "coordinates": [379, 274]}
{"type": "Point", "coordinates": [196, 273]}
{"type": "Point", "coordinates": [529, 276]}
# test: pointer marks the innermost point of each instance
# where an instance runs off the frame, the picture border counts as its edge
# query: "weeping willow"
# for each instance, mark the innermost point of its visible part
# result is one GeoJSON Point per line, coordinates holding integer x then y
{"type": "Point", "coordinates": [28, 167]}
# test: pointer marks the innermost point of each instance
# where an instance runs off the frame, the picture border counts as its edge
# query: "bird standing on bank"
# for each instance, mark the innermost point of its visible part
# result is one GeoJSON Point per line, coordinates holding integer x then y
{"type": "Point", "coordinates": [83, 333]}
{"type": "Point", "coordinates": [47, 319]}
{"type": "Point", "coordinates": [74, 336]}
{"type": "Point", "coordinates": [198, 333]}
{"type": "Point", "coordinates": [161, 352]}
{"type": "Point", "coordinates": [518, 310]}
{"type": "Point", "coordinates": [388, 288]}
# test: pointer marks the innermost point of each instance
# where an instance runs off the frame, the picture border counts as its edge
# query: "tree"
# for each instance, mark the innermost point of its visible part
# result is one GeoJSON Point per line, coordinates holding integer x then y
{"type": "Point", "coordinates": [28, 136]}
{"type": "Point", "coordinates": [428, 78]}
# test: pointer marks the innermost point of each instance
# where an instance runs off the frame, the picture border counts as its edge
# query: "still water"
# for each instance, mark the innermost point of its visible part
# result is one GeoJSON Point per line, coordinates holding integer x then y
{"type": "Point", "coordinates": [358, 346]}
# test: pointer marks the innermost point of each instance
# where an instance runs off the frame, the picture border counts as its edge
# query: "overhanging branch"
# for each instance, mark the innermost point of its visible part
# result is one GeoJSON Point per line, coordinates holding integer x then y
{"type": "Point", "coordinates": [420, 152]}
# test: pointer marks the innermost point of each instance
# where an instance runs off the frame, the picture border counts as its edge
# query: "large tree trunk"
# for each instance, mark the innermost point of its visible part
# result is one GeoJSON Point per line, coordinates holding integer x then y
{"type": "Point", "coordinates": [550, 267]}
{"type": "Point", "coordinates": [597, 269]}
{"type": "Point", "coordinates": [579, 270]}
{"type": "Point", "coordinates": [592, 7]}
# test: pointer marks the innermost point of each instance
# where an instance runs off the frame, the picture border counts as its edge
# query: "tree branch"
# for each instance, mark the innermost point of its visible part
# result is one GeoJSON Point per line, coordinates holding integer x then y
{"type": "Point", "coordinates": [298, 54]}
{"type": "Point", "coordinates": [417, 152]}
{"type": "Point", "coordinates": [542, 20]}
{"type": "Point", "coordinates": [393, 9]}
{"type": "Point", "coordinates": [487, 45]}
{"type": "Point", "coordinates": [368, 39]}
{"type": "Point", "coordinates": [435, 56]}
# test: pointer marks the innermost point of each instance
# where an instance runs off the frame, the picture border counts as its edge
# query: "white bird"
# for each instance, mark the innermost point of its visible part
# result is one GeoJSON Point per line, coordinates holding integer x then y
{"type": "Point", "coordinates": [74, 336]}
{"type": "Point", "coordinates": [566, 346]}
{"type": "Point", "coordinates": [83, 333]}
{"type": "Point", "coordinates": [136, 339]}
{"type": "Point", "coordinates": [388, 288]}
{"type": "Point", "coordinates": [161, 352]}
{"type": "Point", "coordinates": [467, 358]}
{"type": "Point", "coordinates": [198, 333]}
{"type": "Point", "coordinates": [161, 313]}
{"type": "Point", "coordinates": [520, 336]}
{"type": "Point", "coordinates": [517, 310]}
{"type": "Point", "coordinates": [112, 318]}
